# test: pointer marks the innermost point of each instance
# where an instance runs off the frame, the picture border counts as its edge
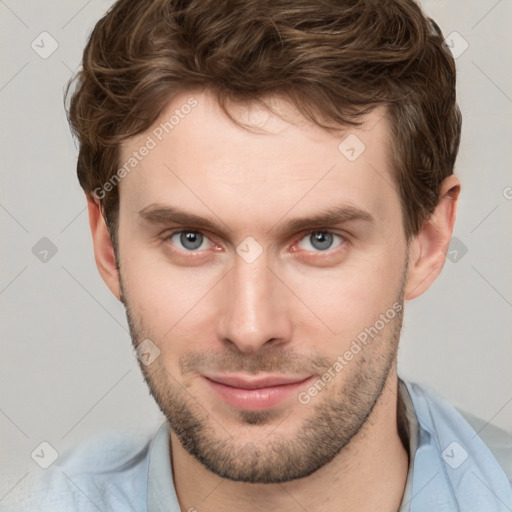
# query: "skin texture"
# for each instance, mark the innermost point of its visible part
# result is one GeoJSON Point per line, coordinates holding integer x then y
{"type": "Point", "coordinates": [293, 310]}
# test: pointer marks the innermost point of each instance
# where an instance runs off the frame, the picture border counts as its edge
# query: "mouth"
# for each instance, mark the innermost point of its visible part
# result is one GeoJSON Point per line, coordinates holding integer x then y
{"type": "Point", "coordinates": [255, 393]}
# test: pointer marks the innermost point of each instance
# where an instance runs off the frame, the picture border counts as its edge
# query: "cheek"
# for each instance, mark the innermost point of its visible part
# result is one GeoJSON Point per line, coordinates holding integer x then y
{"type": "Point", "coordinates": [351, 297]}
{"type": "Point", "coordinates": [168, 300]}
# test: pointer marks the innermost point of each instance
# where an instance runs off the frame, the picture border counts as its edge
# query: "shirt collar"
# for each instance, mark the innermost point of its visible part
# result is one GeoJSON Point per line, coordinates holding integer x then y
{"type": "Point", "coordinates": [161, 492]}
{"type": "Point", "coordinates": [413, 434]}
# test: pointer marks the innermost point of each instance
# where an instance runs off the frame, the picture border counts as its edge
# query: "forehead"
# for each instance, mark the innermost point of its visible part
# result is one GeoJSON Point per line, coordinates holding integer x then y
{"type": "Point", "coordinates": [199, 159]}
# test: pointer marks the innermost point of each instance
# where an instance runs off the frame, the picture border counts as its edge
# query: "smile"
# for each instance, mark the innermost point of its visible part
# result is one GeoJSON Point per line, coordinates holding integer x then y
{"type": "Point", "coordinates": [254, 393]}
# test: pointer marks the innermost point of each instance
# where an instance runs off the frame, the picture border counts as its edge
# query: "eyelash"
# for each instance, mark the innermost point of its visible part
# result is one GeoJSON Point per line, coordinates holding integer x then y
{"type": "Point", "coordinates": [302, 236]}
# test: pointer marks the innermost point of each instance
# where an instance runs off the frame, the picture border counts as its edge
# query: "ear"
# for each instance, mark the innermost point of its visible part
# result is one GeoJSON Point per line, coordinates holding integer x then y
{"type": "Point", "coordinates": [103, 248]}
{"type": "Point", "coordinates": [429, 247]}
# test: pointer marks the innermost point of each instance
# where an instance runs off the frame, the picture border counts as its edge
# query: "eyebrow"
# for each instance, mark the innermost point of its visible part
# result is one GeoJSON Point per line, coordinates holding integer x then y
{"type": "Point", "coordinates": [159, 214]}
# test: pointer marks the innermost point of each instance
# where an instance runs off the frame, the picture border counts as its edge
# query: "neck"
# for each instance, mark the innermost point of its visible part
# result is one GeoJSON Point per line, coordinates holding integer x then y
{"type": "Point", "coordinates": [374, 459]}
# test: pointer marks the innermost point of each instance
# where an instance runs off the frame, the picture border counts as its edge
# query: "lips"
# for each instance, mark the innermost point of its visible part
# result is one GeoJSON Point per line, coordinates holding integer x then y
{"type": "Point", "coordinates": [236, 381]}
{"type": "Point", "coordinates": [254, 393]}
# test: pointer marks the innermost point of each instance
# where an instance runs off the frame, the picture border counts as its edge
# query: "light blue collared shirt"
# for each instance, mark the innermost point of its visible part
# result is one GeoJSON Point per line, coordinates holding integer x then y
{"type": "Point", "coordinates": [452, 468]}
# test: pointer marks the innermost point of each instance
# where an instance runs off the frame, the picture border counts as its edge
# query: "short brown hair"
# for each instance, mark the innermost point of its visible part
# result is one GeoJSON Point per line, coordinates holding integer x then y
{"type": "Point", "coordinates": [335, 60]}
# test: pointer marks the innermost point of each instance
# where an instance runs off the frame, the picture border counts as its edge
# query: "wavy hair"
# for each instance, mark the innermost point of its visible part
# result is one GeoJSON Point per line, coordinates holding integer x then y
{"type": "Point", "coordinates": [335, 60]}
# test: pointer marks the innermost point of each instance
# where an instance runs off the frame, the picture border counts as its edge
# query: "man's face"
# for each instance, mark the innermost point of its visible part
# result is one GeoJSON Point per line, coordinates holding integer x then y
{"type": "Point", "coordinates": [254, 295]}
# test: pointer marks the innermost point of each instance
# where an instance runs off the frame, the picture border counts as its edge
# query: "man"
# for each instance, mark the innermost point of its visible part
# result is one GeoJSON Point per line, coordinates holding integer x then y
{"type": "Point", "coordinates": [267, 184]}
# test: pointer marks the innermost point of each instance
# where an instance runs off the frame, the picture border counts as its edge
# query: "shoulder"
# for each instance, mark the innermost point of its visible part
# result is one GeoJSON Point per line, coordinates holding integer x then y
{"type": "Point", "coordinates": [106, 472]}
{"type": "Point", "coordinates": [498, 440]}
{"type": "Point", "coordinates": [434, 410]}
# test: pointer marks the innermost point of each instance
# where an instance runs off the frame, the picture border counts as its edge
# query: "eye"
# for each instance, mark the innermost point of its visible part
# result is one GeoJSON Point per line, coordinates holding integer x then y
{"type": "Point", "coordinates": [320, 241]}
{"type": "Point", "coordinates": [189, 240]}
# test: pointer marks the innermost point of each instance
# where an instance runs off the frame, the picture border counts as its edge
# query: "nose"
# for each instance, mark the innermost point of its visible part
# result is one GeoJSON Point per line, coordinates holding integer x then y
{"type": "Point", "coordinates": [255, 312]}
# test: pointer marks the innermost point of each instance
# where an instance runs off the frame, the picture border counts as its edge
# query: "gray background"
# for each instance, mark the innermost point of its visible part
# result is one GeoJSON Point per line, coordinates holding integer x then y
{"type": "Point", "coordinates": [66, 365]}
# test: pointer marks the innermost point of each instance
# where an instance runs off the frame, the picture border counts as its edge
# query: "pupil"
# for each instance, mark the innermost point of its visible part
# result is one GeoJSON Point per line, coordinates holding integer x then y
{"type": "Point", "coordinates": [321, 240]}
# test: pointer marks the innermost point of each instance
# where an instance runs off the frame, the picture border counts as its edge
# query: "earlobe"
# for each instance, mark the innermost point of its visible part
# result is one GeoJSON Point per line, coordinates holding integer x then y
{"type": "Point", "coordinates": [429, 247]}
{"type": "Point", "coordinates": [103, 248]}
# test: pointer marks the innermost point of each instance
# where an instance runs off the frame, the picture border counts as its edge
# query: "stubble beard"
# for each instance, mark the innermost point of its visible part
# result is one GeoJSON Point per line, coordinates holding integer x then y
{"type": "Point", "coordinates": [336, 415]}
